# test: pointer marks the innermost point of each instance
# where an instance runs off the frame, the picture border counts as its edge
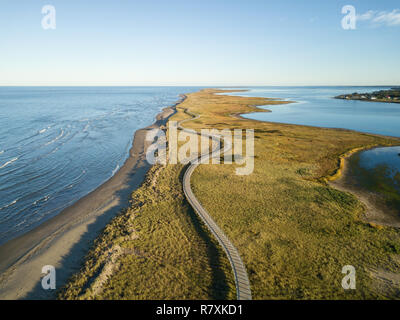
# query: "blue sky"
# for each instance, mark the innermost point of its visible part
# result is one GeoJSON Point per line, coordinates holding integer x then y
{"type": "Point", "coordinates": [208, 42]}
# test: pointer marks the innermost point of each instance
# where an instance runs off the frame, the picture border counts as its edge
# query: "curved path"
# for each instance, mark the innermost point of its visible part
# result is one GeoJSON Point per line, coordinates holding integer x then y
{"type": "Point", "coordinates": [243, 290]}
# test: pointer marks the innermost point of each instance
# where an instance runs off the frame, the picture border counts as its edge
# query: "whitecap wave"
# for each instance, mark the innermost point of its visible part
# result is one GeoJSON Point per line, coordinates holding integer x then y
{"type": "Point", "coordinates": [2, 151]}
{"type": "Point", "coordinates": [44, 199]}
{"type": "Point", "coordinates": [8, 162]}
{"type": "Point", "coordinates": [43, 130]}
{"type": "Point", "coordinates": [115, 170]}
{"type": "Point", "coordinates": [56, 138]}
{"type": "Point", "coordinates": [9, 205]}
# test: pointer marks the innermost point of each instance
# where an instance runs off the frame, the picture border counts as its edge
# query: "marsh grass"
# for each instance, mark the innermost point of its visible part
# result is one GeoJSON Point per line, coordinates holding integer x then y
{"type": "Point", "coordinates": [293, 231]}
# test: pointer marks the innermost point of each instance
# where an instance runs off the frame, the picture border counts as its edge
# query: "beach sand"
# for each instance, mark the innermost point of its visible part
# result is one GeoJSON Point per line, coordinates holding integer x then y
{"type": "Point", "coordinates": [64, 240]}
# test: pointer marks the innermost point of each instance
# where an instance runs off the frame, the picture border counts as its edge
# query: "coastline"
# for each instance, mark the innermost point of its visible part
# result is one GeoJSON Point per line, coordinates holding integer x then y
{"type": "Point", "coordinates": [147, 265]}
{"type": "Point", "coordinates": [342, 163]}
{"type": "Point", "coordinates": [65, 239]}
{"type": "Point", "coordinates": [365, 100]}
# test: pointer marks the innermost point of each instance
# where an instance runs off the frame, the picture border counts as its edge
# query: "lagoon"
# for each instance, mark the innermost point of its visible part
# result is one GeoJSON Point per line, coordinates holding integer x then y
{"type": "Point", "coordinates": [315, 106]}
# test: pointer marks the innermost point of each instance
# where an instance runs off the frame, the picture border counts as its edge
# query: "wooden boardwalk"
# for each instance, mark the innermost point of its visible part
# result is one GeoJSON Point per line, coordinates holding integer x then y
{"type": "Point", "coordinates": [243, 290]}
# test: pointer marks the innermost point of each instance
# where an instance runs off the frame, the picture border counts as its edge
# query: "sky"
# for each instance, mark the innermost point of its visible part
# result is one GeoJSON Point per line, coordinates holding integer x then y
{"type": "Point", "coordinates": [207, 42]}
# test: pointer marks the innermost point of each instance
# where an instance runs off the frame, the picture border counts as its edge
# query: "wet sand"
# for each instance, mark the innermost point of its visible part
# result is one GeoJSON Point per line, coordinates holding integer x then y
{"type": "Point", "coordinates": [64, 240]}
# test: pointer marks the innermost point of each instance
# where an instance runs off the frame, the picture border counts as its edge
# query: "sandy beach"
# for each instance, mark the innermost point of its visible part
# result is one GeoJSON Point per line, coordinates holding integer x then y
{"type": "Point", "coordinates": [64, 240]}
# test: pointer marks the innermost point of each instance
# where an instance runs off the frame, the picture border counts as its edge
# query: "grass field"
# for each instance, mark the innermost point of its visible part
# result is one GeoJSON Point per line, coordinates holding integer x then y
{"type": "Point", "coordinates": [157, 249]}
{"type": "Point", "coordinates": [293, 231]}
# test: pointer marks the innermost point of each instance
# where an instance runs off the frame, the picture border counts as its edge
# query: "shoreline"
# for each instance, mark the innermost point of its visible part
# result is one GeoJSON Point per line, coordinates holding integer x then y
{"type": "Point", "coordinates": [65, 239]}
{"type": "Point", "coordinates": [365, 100]}
{"type": "Point", "coordinates": [342, 163]}
{"type": "Point", "coordinates": [376, 212]}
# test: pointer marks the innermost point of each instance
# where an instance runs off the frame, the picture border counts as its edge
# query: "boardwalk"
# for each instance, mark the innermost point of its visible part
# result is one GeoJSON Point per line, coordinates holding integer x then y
{"type": "Point", "coordinates": [243, 290]}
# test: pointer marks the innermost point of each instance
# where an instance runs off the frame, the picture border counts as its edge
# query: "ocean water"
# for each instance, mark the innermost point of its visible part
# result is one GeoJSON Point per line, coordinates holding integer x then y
{"type": "Point", "coordinates": [59, 143]}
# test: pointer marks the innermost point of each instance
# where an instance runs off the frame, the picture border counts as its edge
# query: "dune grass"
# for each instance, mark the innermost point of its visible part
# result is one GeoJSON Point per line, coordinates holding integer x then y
{"type": "Point", "coordinates": [157, 249]}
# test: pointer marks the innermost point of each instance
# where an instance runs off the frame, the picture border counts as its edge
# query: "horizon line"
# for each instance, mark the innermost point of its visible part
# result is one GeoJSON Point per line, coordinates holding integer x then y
{"type": "Point", "coordinates": [200, 85]}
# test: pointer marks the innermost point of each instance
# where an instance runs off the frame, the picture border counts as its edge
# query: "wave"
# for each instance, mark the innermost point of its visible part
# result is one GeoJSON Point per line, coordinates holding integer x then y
{"type": "Point", "coordinates": [41, 200]}
{"type": "Point", "coordinates": [2, 151]}
{"type": "Point", "coordinates": [8, 162]}
{"type": "Point", "coordinates": [115, 170]}
{"type": "Point", "coordinates": [9, 205]}
{"type": "Point", "coordinates": [43, 130]}
{"type": "Point", "coordinates": [56, 138]}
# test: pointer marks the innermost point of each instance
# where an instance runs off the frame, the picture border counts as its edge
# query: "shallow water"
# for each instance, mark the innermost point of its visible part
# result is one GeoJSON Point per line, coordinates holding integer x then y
{"type": "Point", "coordinates": [315, 106]}
{"type": "Point", "coordinates": [387, 157]}
{"type": "Point", "coordinates": [59, 143]}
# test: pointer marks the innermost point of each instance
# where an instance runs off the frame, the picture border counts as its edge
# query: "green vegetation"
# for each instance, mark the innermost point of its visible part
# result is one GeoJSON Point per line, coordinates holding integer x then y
{"type": "Point", "coordinates": [293, 231]}
{"type": "Point", "coordinates": [392, 95]}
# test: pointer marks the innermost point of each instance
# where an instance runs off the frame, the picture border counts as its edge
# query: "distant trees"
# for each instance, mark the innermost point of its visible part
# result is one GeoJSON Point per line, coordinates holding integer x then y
{"type": "Point", "coordinates": [381, 95]}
